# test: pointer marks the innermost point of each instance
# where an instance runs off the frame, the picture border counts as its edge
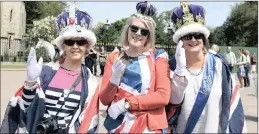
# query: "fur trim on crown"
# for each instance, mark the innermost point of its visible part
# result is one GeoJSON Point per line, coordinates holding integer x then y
{"type": "Point", "coordinates": [191, 28]}
{"type": "Point", "coordinates": [87, 34]}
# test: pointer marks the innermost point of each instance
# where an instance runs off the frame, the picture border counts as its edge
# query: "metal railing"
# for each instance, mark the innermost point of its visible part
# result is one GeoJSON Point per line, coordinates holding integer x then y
{"type": "Point", "coordinates": [16, 51]}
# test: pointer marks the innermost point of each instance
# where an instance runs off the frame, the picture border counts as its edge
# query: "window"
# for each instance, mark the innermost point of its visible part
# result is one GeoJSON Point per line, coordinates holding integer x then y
{"type": "Point", "coordinates": [11, 15]}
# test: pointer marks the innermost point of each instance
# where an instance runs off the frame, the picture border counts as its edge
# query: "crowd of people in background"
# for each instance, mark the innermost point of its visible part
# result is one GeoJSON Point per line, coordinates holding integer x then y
{"type": "Point", "coordinates": [244, 63]}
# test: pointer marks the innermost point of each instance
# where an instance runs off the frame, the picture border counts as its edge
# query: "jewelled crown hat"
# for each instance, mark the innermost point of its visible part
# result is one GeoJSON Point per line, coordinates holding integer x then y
{"type": "Point", "coordinates": [145, 10]}
{"type": "Point", "coordinates": [74, 23]}
{"type": "Point", "coordinates": [188, 19]}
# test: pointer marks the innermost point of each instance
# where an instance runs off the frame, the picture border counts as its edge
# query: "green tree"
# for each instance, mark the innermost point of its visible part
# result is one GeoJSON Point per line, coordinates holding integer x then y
{"type": "Point", "coordinates": [160, 29]}
{"type": "Point", "coordinates": [33, 12]}
{"type": "Point", "coordinates": [52, 8]}
{"type": "Point", "coordinates": [218, 36]}
{"type": "Point", "coordinates": [241, 27]}
{"type": "Point", "coordinates": [112, 34]}
{"type": "Point", "coordinates": [36, 10]}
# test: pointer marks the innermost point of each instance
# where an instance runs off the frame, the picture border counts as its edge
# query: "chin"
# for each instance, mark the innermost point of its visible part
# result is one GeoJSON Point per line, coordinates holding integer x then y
{"type": "Point", "coordinates": [135, 44]}
{"type": "Point", "coordinates": [193, 49]}
{"type": "Point", "coordinates": [76, 57]}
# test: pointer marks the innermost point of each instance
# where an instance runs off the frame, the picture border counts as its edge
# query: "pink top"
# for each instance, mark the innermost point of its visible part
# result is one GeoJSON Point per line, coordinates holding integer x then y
{"type": "Point", "coordinates": [64, 79]}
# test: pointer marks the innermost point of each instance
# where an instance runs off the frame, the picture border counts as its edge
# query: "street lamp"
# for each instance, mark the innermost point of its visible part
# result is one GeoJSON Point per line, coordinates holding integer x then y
{"type": "Point", "coordinates": [106, 26]}
{"type": "Point", "coordinates": [169, 33]}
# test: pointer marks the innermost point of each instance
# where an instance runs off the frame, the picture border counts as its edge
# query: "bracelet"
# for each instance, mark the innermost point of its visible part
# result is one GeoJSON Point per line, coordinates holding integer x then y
{"type": "Point", "coordinates": [31, 87]}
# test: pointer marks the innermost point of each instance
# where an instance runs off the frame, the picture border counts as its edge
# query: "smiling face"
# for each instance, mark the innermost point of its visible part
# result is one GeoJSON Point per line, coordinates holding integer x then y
{"type": "Point", "coordinates": [193, 42]}
{"type": "Point", "coordinates": [137, 34]}
{"type": "Point", "coordinates": [75, 48]}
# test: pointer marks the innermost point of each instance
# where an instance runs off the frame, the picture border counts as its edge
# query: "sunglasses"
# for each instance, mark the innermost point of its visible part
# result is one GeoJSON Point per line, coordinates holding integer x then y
{"type": "Point", "coordinates": [135, 29]}
{"type": "Point", "coordinates": [189, 36]}
{"type": "Point", "coordinates": [78, 42]}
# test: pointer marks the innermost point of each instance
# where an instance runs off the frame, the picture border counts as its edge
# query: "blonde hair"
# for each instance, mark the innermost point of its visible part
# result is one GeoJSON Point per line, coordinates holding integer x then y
{"type": "Point", "coordinates": [150, 24]}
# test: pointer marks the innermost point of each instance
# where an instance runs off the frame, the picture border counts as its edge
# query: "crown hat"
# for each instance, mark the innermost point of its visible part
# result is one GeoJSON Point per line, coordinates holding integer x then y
{"type": "Point", "coordinates": [188, 19]}
{"type": "Point", "coordinates": [74, 23]}
{"type": "Point", "coordinates": [145, 11]}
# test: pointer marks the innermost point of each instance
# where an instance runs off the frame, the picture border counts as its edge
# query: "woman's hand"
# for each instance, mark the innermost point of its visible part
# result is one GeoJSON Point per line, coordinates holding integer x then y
{"type": "Point", "coordinates": [118, 69]}
{"type": "Point", "coordinates": [117, 108]}
{"type": "Point", "coordinates": [180, 57]}
{"type": "Point", "coordinates": [33, 68]}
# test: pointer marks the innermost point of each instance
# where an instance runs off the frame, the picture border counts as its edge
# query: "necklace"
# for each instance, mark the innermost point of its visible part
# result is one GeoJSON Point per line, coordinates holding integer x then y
{"type": "Point", "coordinates": [70, 72]}
{"type": "Point", "coordinates": [196, 74]}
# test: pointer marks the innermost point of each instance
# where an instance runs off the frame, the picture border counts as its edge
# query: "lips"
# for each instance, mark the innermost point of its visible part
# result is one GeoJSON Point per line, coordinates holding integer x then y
{"type": "Point", "coordinates": [75, 52]}
{"type": "Point", "coordinates": [137, 38]}
{"type": "Point", "coordinates": [193, 45]}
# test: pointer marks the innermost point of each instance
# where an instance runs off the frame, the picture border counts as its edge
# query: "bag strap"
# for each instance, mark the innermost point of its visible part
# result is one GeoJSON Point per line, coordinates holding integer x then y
{"type": "Point", "coordinates": [203, 95]}
{"type": "Point", "coordinates": [71, 90]}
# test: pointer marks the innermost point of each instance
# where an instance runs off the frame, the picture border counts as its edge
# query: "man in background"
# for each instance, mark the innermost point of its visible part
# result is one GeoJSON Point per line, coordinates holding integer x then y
{"type": "Point", "coordinates": [93, 55]}
{"type": "Point", "coordinates": [231, 58]}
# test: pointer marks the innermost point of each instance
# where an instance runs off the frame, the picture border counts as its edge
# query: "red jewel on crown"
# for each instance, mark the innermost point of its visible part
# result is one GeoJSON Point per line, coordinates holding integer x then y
{"type": "Point", "coordinates": [71, 20]}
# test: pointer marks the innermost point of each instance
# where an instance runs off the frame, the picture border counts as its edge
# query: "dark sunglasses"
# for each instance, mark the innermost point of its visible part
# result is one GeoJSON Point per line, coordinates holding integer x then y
{"type": "Point", "coordinates": [135, 29]}
{"type": "Point", "coordinates": [189, 36]}
{"type": "Point", "coordinates": [78, 42]}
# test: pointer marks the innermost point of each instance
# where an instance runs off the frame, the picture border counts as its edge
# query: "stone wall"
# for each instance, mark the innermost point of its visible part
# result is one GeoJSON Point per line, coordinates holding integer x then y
{"type": "Point", "coordinates": [13, 19]}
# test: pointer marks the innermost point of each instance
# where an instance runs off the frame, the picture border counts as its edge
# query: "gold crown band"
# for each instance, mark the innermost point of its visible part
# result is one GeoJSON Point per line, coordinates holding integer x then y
{"type": "Point", "coordinates": [188, 17]}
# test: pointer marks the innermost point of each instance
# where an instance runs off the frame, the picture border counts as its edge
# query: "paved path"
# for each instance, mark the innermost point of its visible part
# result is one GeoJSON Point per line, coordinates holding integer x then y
{"type": "Point", "coordinates": [12, 80]}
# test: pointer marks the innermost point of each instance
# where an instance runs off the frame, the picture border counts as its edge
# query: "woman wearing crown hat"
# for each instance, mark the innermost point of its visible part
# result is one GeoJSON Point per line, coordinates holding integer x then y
{"type": "Point", "coordinates": [61, 98]}
{"type": "Point", "coordinates": [136, 84]}
{"type": "Point", "coordinates": [202, 86]}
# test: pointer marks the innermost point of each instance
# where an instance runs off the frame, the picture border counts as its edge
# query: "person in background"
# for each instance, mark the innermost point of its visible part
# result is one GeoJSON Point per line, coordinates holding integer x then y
{"type": "Point", "coordinates": [253, 63]}
{"type": "Point", "coordinates": [241, 62]}
{"type": "Point", "coordinates": [89, 62]}
{"type": "Point", "coordinates": [93, 55]}
{"type": "Point", "coordinates": [215, 48]}
{"type": "Point", "coordinates": [201, 85]}
{"type": "Point", "coordinates": [231, 58]}
{"type": "Point", "coordinates": [136, 84]}
{"type": "Point", "coordinates": [247, 69]}
{"type": "Point", "coordinates": [102, 59]}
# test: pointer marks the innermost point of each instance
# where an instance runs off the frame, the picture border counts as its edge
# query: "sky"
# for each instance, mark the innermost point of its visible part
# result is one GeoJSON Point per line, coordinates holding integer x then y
{"type": "Point", "coordinates": [216, 12]}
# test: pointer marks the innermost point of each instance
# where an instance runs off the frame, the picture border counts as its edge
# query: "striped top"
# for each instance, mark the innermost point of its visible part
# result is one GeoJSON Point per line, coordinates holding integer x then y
{"type": "Point", "coordinates": [56, 96]}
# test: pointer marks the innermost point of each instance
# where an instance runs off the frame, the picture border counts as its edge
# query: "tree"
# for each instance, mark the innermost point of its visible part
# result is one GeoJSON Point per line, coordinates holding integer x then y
{"type": "Point", "coordinates": [45, 29]}
{"type": "Point", "coordinates": [241, 27]}
{"type": "Point", "coordinates": [218, 36]}
{"type": "Point", "coordinates": [53, 8]}
{"type": "Point", "coordinates": [36, 10]}
{"type": "Point", "coordinates": [33, 12]}
{"type": "Point", "coordinates": [111, 35]}
{"type": "Point", "coordinates": [160, 31]}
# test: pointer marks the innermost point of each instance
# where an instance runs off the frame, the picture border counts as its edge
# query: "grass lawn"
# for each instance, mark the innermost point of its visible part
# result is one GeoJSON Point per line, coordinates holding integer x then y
{"type": "Point", "coordinates": [13, 66]}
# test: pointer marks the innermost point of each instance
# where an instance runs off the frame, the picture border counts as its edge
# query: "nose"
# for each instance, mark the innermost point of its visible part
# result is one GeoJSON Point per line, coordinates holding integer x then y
{"type": "Point", "coordinates": [138, 32]}
{"type": "Point", "coordinates": [75, 45]}
{"type": "Point", "coordinates": [193, 39]}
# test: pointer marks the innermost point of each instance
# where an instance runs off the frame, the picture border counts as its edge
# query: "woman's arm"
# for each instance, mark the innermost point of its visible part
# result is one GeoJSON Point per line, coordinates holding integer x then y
{"type": "Point", "coordinates": [160, 97]}
{"type": "Point", "coordinates": [108, 90]}
{"type": "Point", "coordinates": [28, 93]}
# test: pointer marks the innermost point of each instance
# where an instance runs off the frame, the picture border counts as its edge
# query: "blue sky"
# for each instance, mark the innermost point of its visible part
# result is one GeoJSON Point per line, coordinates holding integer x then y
{"type": "Point", "coordinates": [216, 12]}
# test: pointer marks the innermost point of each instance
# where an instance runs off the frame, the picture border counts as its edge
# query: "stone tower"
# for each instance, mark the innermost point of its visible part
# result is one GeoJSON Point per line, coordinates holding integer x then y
{"type": "Point", "coordinates": [12, 25]}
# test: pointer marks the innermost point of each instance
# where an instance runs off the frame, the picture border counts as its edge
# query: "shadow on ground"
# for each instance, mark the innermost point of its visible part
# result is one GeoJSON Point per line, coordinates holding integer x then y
{"type": "Point", "coordinates": [251, 118]}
